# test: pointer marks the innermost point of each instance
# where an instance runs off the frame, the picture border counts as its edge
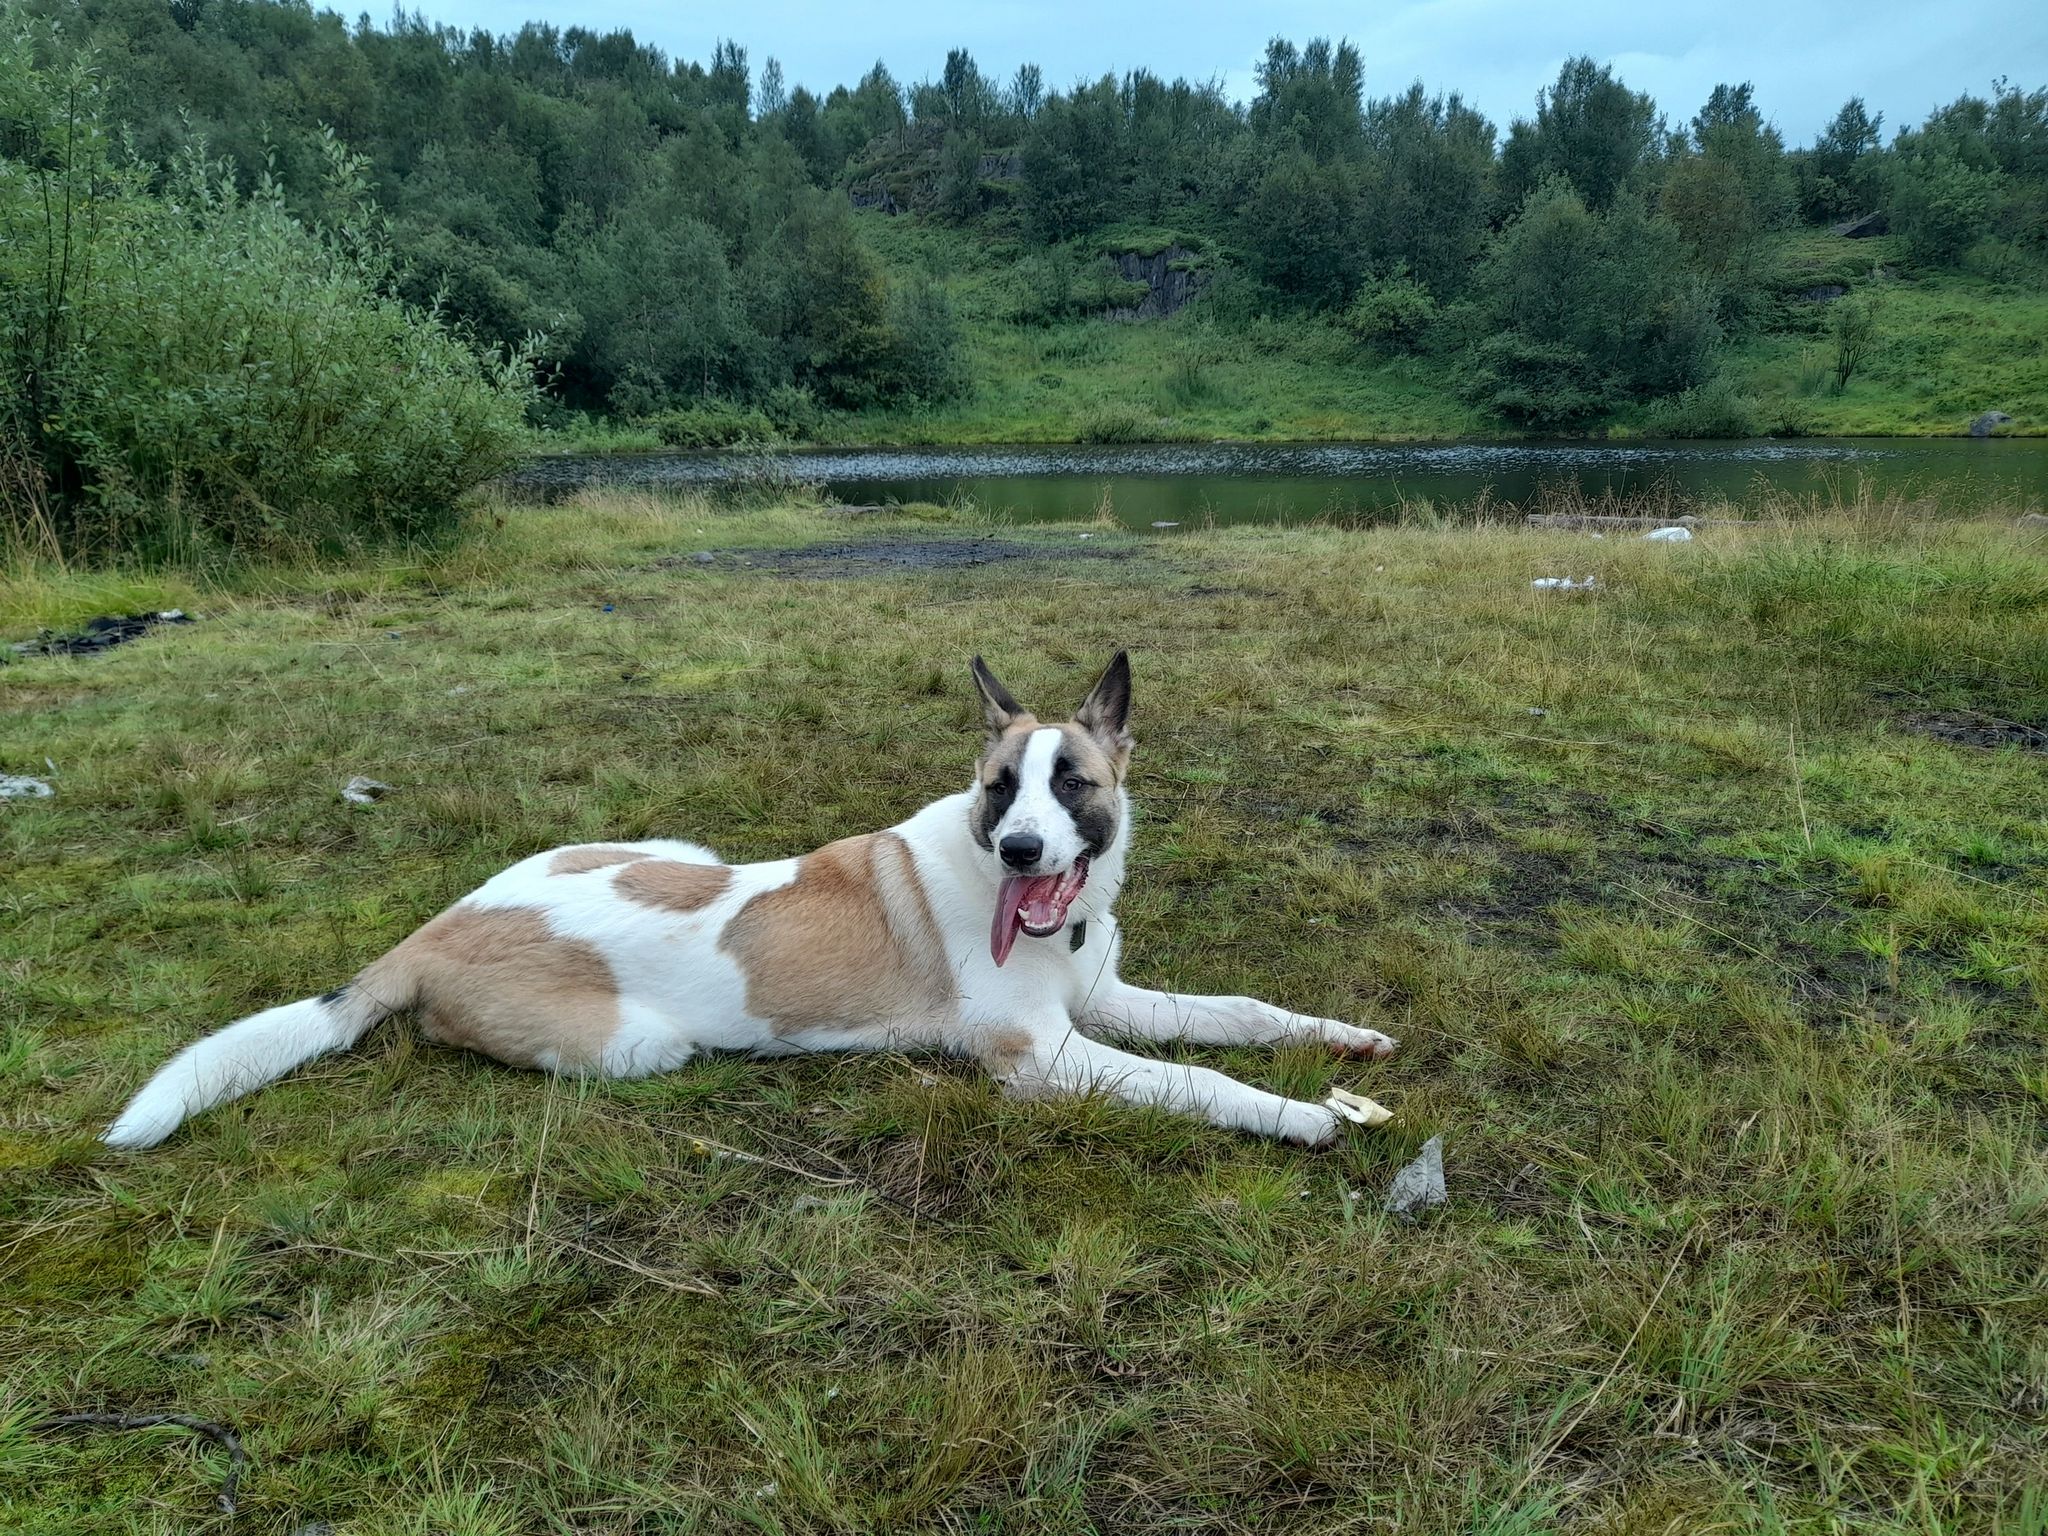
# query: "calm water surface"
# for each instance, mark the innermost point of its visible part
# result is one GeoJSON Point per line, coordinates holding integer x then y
{"type": "Point", "coordinates": [1235, 483]}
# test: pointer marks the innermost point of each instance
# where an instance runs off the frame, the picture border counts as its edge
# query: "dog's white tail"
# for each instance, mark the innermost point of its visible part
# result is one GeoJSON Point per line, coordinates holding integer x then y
{"type": "Point", "coordinates": [246, 1055]}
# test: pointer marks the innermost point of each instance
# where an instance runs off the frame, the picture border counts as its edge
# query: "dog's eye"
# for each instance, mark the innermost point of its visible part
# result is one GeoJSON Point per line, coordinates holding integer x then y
{"type": "Point", "coordinates": [1074, 786]}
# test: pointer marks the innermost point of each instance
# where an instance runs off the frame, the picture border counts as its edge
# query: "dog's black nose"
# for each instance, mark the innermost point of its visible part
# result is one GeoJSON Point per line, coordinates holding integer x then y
{"type": "Point", "coordinates": [1020, 849]}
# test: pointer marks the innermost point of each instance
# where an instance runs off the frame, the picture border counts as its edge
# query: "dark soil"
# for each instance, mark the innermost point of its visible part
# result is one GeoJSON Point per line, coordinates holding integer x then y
{"type": "Point", "coordinates": [1967, 728]}
{"type": "Point", "coordinates": [891, 557]}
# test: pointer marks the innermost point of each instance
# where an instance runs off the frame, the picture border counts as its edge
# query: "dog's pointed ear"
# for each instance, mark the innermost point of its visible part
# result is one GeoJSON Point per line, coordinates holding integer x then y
{"type": "Point", "coordinates": [999, 711]}
{"type": "Point", "coordinates": [1106, 712]}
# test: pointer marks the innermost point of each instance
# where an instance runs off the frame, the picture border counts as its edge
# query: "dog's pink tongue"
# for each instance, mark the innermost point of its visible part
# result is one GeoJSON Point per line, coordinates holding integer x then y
{"type": "Point", "coordinates": [1022, 899]}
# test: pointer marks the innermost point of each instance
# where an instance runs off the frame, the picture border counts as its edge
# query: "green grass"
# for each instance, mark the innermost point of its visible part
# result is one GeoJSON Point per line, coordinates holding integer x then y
{"type": "Point", "coordinates": [1723, 988]}
{"type": "Point", "coordinates": [1948, 347]}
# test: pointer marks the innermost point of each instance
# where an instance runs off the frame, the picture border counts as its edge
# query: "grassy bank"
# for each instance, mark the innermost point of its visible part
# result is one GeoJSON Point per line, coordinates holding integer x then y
{"type": "Point", "coordinates": [1717, 967]}
{"type": "Point", "coordinates": [1946, 347]}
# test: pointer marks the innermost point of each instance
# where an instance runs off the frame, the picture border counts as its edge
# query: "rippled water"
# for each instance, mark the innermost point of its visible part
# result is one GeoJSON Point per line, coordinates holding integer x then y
{"type": "Point", "coordinates": [1229, 483]}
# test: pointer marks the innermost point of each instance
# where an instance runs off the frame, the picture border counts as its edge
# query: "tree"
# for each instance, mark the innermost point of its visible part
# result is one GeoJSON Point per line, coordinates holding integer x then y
{"type": "Point", "coordinates": [1726, 185]}
{"type": "Point", "coordinates": [1589, 311]}
{"type": "Point", "coordinates": [1073, 158]}
{"type": "Point", "coordinates": [1836, 175]}
{"type": "Point", "coordinates": [1311, 95]}
{"type": "Point", "coordinates": [1589, 128]}
{"type": "Point", "coordinates": [1299, 230]}
{"type": "Point", "coordinates": [1428, 189]}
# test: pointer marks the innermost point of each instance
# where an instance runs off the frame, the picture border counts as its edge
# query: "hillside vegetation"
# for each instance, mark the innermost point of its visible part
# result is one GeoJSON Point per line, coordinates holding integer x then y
{"type": "Point", "coordinates": [701, 253]}
{"type": "Point", "coordinates": [1715, 945]}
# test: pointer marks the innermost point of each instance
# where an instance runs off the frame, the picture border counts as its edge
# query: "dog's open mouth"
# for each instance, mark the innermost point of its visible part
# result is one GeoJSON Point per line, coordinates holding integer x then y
{"type": "Point", "coordinates": [1034, 904]}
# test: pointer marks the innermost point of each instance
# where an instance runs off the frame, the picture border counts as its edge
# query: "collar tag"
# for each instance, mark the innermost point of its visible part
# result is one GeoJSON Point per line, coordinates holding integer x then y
{"type": "Point", "coordinates": [1078, 935]}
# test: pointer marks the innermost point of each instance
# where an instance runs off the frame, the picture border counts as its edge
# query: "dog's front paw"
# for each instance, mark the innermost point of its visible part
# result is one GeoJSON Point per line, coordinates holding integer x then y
{"type": "Point", "coordinates": [1351, 1040]}
{"type": "Point", "coordinates": [1309, 1125]}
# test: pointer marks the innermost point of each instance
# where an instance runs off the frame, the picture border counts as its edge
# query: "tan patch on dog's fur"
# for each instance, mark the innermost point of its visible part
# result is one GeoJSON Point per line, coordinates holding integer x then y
{"type": "Point", "coordinates": [1002, 1051]}
{"type": "Point", "coordinates": [1093, 755]}
{"type": "Point", "coordinates": [672, 885]}
{"type": "Point", "coordinates": [499, 981]}
{"type": "Point", "coordinates": [588, 856]}
{"type": "Point", "coordinates": [850, 941]}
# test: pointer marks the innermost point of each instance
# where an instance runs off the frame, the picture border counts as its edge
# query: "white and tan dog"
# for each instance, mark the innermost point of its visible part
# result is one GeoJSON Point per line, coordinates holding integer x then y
{"type": "Point", "coordinates": [619, 960]}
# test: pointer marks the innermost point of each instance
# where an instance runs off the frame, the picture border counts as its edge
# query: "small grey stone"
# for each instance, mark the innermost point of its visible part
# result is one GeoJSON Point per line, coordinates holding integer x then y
{"type": "Point", "coordinates": [1420, 1185]}
{"type": "Point", "coordinates": [704, 557]}
{"type": "Point", "coordinates": [1982, 426]}
{"type": "Point", "coordinates": [317, 1528]}
{"type": "Point", "coordinates": [2032, 520]}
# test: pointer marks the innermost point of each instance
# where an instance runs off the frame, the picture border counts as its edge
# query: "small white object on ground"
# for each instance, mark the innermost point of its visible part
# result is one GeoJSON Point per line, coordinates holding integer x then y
{"type": "Point", "coordinates": [1599, 535]}
{"type": "Point", "coordinates": [1420, 1185]}
{"type": "Point", "coordinates": [13, 788]}
{"type": "Point", "coordinates": [362, 791]}
{"type": "Point", "coordinates": [1535, 711]}
{"type": "Point", "coordinates": [1668, 535]}
{"type": "Point", "coordinates": [459, 688]}
{"type": "Point", "coordinates": [1166, 525]}
{"type": "Point", "coordinates": [1358, 1109]}
{"type": "Point", "coordinates": [1565, 584]}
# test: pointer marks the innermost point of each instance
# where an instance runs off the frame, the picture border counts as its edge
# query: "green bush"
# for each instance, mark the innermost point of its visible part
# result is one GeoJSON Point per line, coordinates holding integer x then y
{"type": "Point", "coordinates": [198, 371]}
{"type": "Point", "coordinates": [1392, 311]}
{"type": "Point", "coordinates": [711, 424]}
{"type": "Point", "coordinates": [1714, 409]}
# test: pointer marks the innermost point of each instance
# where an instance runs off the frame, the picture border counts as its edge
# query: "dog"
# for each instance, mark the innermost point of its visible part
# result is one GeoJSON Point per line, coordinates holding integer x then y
{"type": "Point", "coordinates": [983, 926]}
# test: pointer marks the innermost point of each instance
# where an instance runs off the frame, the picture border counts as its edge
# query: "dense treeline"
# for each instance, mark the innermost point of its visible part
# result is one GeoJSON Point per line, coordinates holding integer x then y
{"type": "Point", "coordinates": [686, 242]}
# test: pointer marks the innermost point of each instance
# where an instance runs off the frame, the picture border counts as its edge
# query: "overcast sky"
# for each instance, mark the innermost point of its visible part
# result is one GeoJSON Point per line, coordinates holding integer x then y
{"type": "Point", "coordinates": [1805, 56]}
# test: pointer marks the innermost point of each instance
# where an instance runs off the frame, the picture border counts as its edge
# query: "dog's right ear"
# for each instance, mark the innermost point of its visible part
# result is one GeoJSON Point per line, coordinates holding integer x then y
{"type": "Point", "coordinates": [999, 711]}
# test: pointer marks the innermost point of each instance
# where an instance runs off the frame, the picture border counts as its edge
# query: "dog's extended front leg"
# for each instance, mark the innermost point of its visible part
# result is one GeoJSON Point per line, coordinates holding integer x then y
{"type": "Point", "coordinates": [1054, 1058]}
{"type": "Point", "coordinates": [1117, 1008]}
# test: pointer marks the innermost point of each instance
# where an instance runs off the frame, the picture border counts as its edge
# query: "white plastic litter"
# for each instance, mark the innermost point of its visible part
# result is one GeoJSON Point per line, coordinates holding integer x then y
{"type": "Point", "coordinates": [1565, 584]}
{"type": "Point", "coordinates": [1420, 1185]}
{"type": "Point", "coordinates": [1166, 525]}
{"type": "Point", "coordinates": [13, 788]}
{"type": "Point", "coordinates": [362, 791]}
{"type": "Point", "coordinates": [1358, 1109]}
{"type": "Point", "coordinates": [1669, 535]}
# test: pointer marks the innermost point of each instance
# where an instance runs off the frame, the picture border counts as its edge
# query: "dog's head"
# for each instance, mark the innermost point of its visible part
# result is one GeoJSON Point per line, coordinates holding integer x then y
{"type": "Point", "coordinates": [1048, 799]}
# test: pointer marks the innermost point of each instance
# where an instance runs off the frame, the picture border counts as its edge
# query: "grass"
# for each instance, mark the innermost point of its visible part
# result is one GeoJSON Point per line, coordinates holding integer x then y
{"type": "Point", "coordinates": [1739, 1065]}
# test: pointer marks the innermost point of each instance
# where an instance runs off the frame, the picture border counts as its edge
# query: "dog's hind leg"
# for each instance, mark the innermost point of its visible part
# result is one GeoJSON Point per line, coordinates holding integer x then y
{"type": "Point", "coordinates": [1117, 1008]}
{"type": "Point", "coordinates": [1055, 1059]}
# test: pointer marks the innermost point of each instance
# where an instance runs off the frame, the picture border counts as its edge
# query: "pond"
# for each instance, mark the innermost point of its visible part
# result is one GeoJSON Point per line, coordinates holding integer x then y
{"type": "Point", "coordinates": [1175, 485]}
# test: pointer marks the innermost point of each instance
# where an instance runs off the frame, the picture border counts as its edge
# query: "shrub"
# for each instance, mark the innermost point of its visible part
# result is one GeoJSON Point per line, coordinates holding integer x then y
{"type": "Point", "coordinates": [197, 371]}
{"type": "Point", "coordinates": [1391, 311]}
{"type": "Point", "coordinates": [711, 424]}
{"type": "Point", "coordinates": [1713, 409]}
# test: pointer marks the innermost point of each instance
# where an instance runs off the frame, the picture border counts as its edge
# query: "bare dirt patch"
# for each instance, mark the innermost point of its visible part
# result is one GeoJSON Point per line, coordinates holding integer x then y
{"type": "Point", "coordinates": [1967, 728]}
{"type": "Point", "coordinates": [893, 556]}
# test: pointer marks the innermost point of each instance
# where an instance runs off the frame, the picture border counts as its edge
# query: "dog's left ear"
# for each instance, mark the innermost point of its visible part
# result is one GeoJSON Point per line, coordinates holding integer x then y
{"type": "Point", "coordinates": [1106, 711]}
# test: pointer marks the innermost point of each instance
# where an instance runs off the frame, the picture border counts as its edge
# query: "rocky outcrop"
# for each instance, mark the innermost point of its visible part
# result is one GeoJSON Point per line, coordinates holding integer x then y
{"type": "Point", "coordinates": [1878, 223]}
{"type": "Point", "coordinates": [1004, 167]}
{"type": "Point", "coordinates": [1983, 425]}
{"type": "Point", "coordinates": [874, 194]}
{"type": "Point", "coordinates": [1170, 274]}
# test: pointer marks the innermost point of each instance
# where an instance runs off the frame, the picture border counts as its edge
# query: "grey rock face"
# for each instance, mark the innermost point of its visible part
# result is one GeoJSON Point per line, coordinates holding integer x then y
{"type": "Point", "coordinates": [1420, 1185]}
{"type": "Point", "coordinates": [1982, 426]}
